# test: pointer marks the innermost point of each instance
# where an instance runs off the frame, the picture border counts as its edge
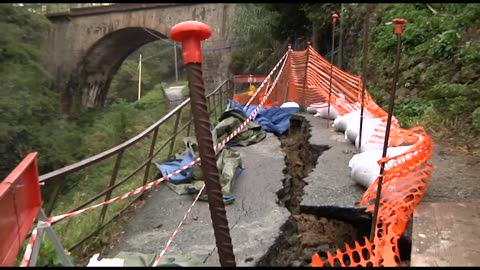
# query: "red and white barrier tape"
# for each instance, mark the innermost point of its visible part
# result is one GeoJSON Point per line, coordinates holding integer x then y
{"type": "Point", "coordinates": [266, 80]}
{"type": "Point", "coordinates": [126, 195]}
{"type": "Point", "coordinates": [220, 145]}
{"type": "Point", "coordinates": [170, 240]}
{"type": "Point", "coordinates": [158, 181]}
{"type": "Point", "coordinates": [29, 249]}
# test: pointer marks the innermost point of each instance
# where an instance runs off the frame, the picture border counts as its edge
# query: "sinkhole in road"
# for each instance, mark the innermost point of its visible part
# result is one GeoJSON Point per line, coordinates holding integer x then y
{"type": "Point", "coordinates": [309, 230]}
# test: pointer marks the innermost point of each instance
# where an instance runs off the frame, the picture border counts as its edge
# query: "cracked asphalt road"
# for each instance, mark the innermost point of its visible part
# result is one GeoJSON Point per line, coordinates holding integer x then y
{"type": "Point", "coordinates": [254, 218]}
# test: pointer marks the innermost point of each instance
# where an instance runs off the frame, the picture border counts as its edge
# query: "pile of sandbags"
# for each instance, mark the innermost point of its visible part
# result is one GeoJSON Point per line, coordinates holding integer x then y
{"type": "Point", "coordinates": [350, 125]}
{"type": "Point", "coordinates": [365, 167]}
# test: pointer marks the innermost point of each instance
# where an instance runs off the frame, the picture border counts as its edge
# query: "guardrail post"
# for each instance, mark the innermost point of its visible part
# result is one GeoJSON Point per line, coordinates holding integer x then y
{"type": "Point", "coordinates": [172, 143]}
{"type": "Point", "coordinates": [116, 167]}
{"type": "Point", "coordinates": [152, 148]}
{"type": "Point", "coordinates": [190, 33]}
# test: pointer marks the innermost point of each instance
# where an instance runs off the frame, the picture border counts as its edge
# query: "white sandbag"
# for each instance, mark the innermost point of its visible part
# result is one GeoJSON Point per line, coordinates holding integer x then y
{"type": "Point", "coordinates": [338, 123]}
{"type": "Point", "coordinates": [341, 123]}
{"type": "Point", "coordinates": [353, 124]}
{"type": "Point", "coordinates": [311, 110]}
{"type": "Point", "coordinates": [351, 134]}
{"type": "Point", "coordinates": [351, 119]}
{"type": "Point", "coordinates": [323, 113]}
{"type": "Point", "coordinates": [369, 126]}
{"type": "Point", "coordinates": [365, 168]}
{"type": "Point", "coordinates": [290, 104]}
{"type": "Point", "coordinates": [94, 262]}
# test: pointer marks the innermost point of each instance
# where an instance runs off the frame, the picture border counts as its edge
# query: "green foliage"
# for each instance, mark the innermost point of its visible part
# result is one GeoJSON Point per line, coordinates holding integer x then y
{"type": "Point", "coordinates": [47, 255]}
{"type": "Point", "coordinates": [105, 128]}
{"type": "Point", "coordinates": [455, 99]}
{"type": "Point", "coordinates": [154, 99]}
{"type": "Point", "coordinates": [266, 30]}
{"type": "Point", "coordinates": [255, 24]}
{"type": "Point", "coordinates": [27, 104]}
{"type": "Point", "coordinates": [440, 59]}
{"type": "Point", "coordinates": [125, 85]}
{"type": "Point", "coordinates": [470, 52]}
{"type": "Point", "coordinates": [476, 119]}
{"type": "Point", "coordinates": [445, 44]}
{"type": "Point", "coordinates": [158, 65]}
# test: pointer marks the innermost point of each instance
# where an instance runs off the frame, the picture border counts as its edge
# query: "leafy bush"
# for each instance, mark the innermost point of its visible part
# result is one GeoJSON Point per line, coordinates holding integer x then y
{"type": "Point", "coordinates": [454, 99]}
{"type": "Point", "coordinates": [27, 103]}
{"type": "Point", "coordinates": [445, 44]}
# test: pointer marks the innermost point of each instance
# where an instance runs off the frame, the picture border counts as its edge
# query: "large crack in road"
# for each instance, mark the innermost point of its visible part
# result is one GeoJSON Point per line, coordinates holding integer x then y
{"type": "Point", "coordinates": [305, 232]}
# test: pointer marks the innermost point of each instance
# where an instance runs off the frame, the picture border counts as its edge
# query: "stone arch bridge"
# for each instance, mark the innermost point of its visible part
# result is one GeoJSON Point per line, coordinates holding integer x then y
{"type": "Point", "coordinates": [88, 45]}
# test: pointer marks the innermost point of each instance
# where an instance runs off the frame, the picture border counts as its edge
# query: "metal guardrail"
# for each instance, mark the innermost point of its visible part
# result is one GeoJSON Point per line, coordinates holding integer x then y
{"type": "Point", "coordinates": [216, 102]}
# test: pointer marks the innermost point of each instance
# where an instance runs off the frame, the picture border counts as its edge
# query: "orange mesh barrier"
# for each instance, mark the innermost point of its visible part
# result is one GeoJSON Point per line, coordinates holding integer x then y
{"type": "Point", "coordinates": [405, 178]}
{"type": "Point", "coordinates": [307, 81]}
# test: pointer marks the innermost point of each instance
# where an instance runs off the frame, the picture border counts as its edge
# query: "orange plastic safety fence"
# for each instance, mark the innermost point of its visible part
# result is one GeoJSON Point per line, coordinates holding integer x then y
{"type": "Point", "coordinates": [406, 176]}
{"type": "Point", "coordinates": [405, 179]}
{"type": "Point", "coordinates": [359, 255]}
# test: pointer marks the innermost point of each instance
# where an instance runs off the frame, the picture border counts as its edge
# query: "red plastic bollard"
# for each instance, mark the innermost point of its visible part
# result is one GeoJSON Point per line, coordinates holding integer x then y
{"type": "Point", "coordinates": [190, 33]}
{"type": "Point", "coordinates": [334, 18]}
{"type": "Point", "coordinates": [399, 25]}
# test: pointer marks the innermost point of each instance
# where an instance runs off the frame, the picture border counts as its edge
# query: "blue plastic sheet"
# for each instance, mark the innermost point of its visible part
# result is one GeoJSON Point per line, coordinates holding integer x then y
{"type": "Point", "coordinates": [275, 120]}
{"type": "Point", "coordinates": [175, 164]}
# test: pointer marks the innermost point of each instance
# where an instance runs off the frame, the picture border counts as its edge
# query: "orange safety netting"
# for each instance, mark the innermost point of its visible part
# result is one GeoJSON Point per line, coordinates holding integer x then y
{"type": "Point", "coordinates": [306, 80]}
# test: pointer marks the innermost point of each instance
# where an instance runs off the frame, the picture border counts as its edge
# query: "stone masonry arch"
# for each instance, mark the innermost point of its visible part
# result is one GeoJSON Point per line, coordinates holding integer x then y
{"type": "Point", "coordinates": [101, 62]}
{"type": "Point", "coordinates": [87, 45]}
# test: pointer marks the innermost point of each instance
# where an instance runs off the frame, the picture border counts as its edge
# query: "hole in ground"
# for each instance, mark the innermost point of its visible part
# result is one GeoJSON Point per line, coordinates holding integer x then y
{"type": "Point", "coordinates": [310, 230]}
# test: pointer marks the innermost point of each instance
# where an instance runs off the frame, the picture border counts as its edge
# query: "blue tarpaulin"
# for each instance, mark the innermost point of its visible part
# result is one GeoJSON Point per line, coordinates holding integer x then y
{"type": "Point", "coordinates": [175, 164]}
{"type": "Point", "coordinates": [275, 119]}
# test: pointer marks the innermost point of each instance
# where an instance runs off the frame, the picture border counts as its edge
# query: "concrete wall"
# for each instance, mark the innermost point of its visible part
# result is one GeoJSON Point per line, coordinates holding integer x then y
{"type": "Point", "coordinates": [85, 49]}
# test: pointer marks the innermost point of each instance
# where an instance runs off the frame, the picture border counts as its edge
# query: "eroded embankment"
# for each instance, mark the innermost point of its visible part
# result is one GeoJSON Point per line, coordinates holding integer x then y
{"type": "Point", "coordinates": [305, 232]}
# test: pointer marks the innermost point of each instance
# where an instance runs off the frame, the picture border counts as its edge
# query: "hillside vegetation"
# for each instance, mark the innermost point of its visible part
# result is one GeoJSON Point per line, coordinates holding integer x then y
{"type": "Point", "coordinates": [30, 109]}
{"type": "Point", "coordinates": [438, 84]}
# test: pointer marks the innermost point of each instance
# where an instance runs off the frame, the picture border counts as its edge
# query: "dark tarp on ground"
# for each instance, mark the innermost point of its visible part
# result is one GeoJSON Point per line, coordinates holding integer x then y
{"type": "Point", "coordinates": [230, 120]}
{"type": "Point", "coordinates": [275, 119]}
{"type": "Point", "coordinates": [229, 163]}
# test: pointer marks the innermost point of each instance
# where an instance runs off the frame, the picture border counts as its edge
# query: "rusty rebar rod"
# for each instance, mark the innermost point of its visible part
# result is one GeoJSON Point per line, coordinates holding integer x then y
{"type": "Point", "coordinates": [366, 25]}
{"type": "Point", "coordinates": [334, 22]}
{"type": "Point", "coordinates": [398, 31]}
{"type": "Point", "coordinates": [303, 105]}
{"type": "Point", "coordinates": [190, 33]}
